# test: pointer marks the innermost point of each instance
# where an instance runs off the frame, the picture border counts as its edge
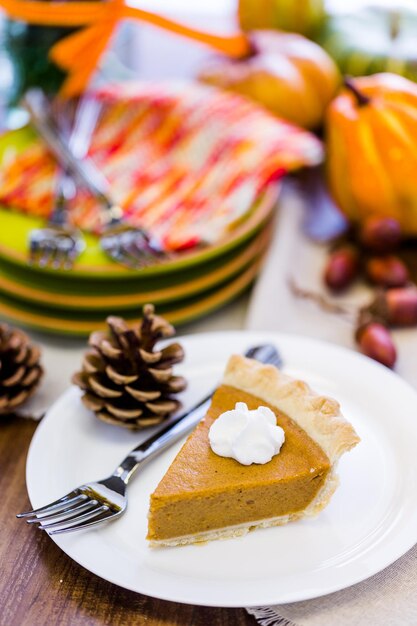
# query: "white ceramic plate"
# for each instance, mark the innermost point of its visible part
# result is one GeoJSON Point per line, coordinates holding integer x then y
{"type": "Point", "coordinates": [370, 522]}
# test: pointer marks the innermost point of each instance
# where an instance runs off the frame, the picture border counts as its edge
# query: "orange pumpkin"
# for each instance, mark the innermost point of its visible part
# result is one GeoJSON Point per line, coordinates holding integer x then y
{"type": "Point", "coordinates": [371, 131]}
{"type": "Point", "coordinates": [288, 74]}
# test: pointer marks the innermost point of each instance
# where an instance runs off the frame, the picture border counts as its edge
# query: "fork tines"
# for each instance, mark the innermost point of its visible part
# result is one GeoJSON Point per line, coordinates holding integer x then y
{"type": "Point", "coordinates": [73, 511]}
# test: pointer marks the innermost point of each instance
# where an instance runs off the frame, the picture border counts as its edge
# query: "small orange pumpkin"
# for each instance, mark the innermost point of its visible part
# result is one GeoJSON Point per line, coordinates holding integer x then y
{"type": "Point", "coordinates": [371, 131]}
{"type": "Point", "coordinates": [286, 73]}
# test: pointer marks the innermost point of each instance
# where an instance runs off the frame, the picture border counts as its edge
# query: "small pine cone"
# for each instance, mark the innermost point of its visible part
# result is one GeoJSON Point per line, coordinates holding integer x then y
{"type": "Point", "coordinates": [126, 381]}
{"type": "Point", "coordinates": [20, 370]}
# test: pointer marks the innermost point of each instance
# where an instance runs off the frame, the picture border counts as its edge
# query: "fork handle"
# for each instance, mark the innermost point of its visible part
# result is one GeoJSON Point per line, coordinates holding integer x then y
{"type": "Point", "coordinates": [84, 170]}
{"type": "Point", "coordinates": [163, 439]}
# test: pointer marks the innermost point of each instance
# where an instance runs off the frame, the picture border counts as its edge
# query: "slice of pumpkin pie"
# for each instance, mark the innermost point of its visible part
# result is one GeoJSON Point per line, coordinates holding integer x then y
{"type": "Point", "coordinates": [264, 455]}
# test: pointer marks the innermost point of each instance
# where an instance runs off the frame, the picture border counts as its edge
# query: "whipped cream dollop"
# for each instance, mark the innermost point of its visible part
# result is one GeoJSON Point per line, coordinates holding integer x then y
{"type": "Point", "coordinates": [247, 436]}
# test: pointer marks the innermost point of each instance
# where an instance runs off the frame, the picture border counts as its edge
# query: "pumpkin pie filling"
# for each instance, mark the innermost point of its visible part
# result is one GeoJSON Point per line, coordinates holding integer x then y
{"type": "Point", "coordinates": [205, 496]}
{"type": "Point", "coordinates": [207, 493]}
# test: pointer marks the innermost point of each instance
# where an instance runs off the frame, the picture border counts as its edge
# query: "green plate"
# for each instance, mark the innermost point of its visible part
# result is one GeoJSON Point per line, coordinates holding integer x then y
{"type": "Point", "coordinates": [123, 295]}
{"type": "Point", "coordinates": [93, 263]}
{"type": "Point", "coordinates": [49, 321]}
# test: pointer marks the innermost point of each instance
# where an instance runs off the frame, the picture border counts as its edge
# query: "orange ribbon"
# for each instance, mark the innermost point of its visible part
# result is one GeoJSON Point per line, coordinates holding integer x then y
{"type": "Point", "coordinates": [78, 53]}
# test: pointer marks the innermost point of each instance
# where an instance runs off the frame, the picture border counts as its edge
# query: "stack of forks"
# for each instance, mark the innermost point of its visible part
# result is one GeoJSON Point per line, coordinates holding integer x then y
{"type": "Point", "coordinates": [59, 244]}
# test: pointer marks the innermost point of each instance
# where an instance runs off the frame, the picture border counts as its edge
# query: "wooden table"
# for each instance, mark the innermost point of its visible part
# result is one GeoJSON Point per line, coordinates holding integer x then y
{"type": "Point", "coordinates": [40, 585]}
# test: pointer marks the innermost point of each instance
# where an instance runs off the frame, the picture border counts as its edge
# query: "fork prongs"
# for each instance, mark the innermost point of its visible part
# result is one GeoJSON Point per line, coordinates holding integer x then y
{"type": "Point", "coordinates": [81, 506]}
{"type": "Point", "coordinates": [98, 518]}
{"type": "Point", "coordinates": [42, 251]}
{"type": "Point", "coordinates": [60, 259]}
{"type": "Point", "coordinates": [54, 249]}
{"type": "Point", "coordinates": [70, 498]}
{"type": "Point", "coordinates": [130, 246]}
{"type": "Point", "coordinates": [76, 520]}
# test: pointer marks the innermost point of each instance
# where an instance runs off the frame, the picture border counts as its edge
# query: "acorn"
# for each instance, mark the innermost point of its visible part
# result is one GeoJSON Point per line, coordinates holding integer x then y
{"type": "Point", "coordinates": [387, 271]}
{"type": "Point", "coordinates": [402, 306]}
{"type": "Point", "coordinates": [393, 307]}
{"type": "Point", "coordinates": [342, 268]}
{"type": "Point", "coordinates": [375, 341]}
{"type": "Point", "coordinates": [398, 307]}
{"type": "Point", "coordinates": [380, 234]}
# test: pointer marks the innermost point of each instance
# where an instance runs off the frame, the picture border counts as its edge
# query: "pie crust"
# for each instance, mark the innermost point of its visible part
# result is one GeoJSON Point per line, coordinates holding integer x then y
{"type": "Point", "coordinates": [318, 415]}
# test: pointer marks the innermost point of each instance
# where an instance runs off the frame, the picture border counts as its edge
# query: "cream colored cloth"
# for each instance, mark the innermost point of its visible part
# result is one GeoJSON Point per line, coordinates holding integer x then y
{"type": "Point", "coordinates": [390, 597]}
{"type": "Point", "coordinates": [387, 599]}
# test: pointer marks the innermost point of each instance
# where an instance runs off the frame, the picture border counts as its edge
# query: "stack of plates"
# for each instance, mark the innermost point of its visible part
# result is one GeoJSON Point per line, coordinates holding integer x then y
{"type": "Point", "coordinates": [183, 288]}
{"type": "Point", "coordinates": [188, 163]}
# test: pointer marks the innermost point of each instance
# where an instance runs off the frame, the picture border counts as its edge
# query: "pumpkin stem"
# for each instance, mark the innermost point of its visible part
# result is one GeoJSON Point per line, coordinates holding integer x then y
{"type": "Point", "coordinates": [394, 24]}
{"type": "Point", "coordinates": [360, 97]}
{"type": "Point", "coordinates": [252, 51]}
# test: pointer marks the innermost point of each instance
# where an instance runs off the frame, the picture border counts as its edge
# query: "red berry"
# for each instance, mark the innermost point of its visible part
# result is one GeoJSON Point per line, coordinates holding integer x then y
{"type": "Point", "coordinates": [380, 234]}
{"type": "Point", "coordinates": [387, 271]}
{"type": "Point", "coordinates": [342, 268]}
{"type": "Point", "coordinates": [401, 306]}
{"type": "Point", "coordinates": [375, 341]}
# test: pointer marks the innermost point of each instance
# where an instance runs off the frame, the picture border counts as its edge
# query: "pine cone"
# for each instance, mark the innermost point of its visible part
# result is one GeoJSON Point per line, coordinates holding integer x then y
{"type": "Point", "coordinates": [126, 381]}
{"type": "Point", "coordinates": [20, 370]}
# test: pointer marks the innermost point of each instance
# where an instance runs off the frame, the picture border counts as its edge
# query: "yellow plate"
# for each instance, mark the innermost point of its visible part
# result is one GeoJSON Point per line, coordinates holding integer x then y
{"type": "Point", "coordinates": [18, 284]}
{"type": "Point", "coordinates": [185, 311]}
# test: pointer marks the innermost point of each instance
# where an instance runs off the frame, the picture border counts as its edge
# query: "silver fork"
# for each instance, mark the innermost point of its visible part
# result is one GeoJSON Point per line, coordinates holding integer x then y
{"type": "Point", "coordinates": [58, 244]}
{"type": "Point", "coordinates": [97, 502]}
{"type": "Point", "coordinates": [129, 245]}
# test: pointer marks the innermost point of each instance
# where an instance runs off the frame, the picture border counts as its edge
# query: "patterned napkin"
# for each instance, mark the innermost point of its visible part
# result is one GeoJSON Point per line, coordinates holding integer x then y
{"type": "Point", "coordinates": [389, 597]}
{"type": "Point", "coordinates": [185, 161]}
